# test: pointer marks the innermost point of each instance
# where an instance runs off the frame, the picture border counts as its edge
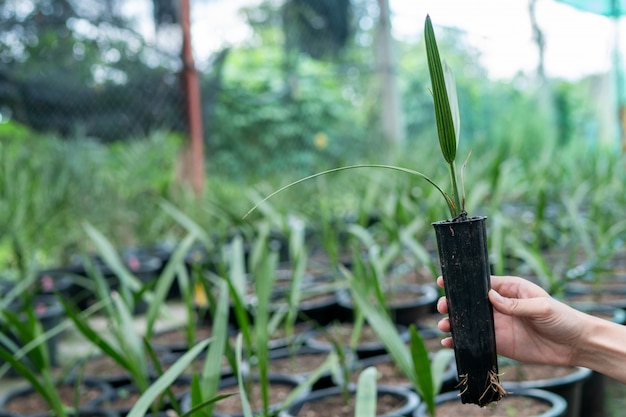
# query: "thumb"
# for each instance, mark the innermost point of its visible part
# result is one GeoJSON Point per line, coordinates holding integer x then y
{"type": "Point", "coordinates": [513, 306]}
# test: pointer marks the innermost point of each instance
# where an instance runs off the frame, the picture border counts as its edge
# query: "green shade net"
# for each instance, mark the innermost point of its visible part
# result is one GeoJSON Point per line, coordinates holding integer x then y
{"type": "Point", "coordinates": [611, 8]}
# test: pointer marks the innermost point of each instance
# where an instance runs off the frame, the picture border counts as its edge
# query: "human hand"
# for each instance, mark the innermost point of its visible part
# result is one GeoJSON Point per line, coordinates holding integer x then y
{"type": "Point", "coordinates": [530, 325]}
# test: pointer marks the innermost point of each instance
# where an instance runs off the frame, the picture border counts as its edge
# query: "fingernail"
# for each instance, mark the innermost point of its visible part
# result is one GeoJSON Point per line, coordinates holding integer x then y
{"type": "Point", "coordinates": [497, 296]}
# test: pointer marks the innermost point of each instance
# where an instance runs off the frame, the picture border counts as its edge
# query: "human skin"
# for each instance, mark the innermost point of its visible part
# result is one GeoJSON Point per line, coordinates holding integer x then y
{"type": "Point", "coordinates": [533, 327]}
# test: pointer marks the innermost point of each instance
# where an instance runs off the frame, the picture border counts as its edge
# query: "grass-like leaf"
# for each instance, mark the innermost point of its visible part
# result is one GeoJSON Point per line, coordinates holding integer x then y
{"type": "Point", "coordinates": [165, 381]}
{"type": "Point", "coordinates": [453, 207]}
{"type": "Point", "coordinates": [366, 393]}
{"type": "Point", "coordinates": [165, 281]}
{"type": "Point", "coordinates": [421, 364]}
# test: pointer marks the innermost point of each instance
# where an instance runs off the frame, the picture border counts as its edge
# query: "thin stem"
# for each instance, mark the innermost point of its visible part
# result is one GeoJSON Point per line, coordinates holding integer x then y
{"type": "Point", "coordinates": [457, 209]}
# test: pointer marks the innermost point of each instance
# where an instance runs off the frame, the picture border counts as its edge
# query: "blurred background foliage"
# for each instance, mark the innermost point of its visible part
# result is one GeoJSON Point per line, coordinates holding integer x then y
{"type": "Point", "coordinates": [92, 121]}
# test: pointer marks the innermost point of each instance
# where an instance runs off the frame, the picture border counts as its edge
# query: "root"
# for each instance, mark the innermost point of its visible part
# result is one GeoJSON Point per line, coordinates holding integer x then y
{"type": "Point", "coordinates": [463, 381]}
{"type": "Point", "coordinates": [493, 386]}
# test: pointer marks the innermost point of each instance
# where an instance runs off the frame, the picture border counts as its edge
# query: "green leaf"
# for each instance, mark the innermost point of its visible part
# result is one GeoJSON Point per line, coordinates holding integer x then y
{"type": "Point", "coordinates": [165, 381]}
{"type": "Point", "coordinates": [245, 403]}
{"type": "Point", "coordinates": [83, 326]}
{"type": "Point", "coordinates": [46, 389]}
{"type": "Point", "coordinates": [366, 393]}
{"type": "Point", "coordinates": [212, 370]}
{"type": "Point", "coordinates": [439, 364]}
{"type": "Point", "coordinates": [384, 328]}
{"type": "Point", "coordinates": [443, 114]}
{"type": "Point", "coordinates": [185, 221]}
{"type": "Point", "coordinates": [449, 201]}
{"type": "Point", "coordinates": [130, 342]}
{"type": "Point", "coordinates": [264, 280]}
{"type": "Point", "coordinates": [165, 281]}
{"type": "Point", "coordinates": [112, 259]}
{"type": "Point", "coordinates": [421, 364]}
{"type": "Point", "coordinates": [452, 100]}
{"type": "Point", "coordinates": [331, 362]}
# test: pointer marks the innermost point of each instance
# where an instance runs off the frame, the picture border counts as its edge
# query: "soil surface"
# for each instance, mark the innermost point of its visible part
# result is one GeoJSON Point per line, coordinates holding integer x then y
{"type": "Point", "coordinates": [299, 363]}
{"type": "Point", "coordinates": [528, 372]}
{"type": "Point", "coordinates": [127, 398]}
{"type": "Point", "coordinates": [388, 374]}
{"type": "Point", "coordinates": [511, 406]}
{"type": "Point", "coordinates": [33, 402]}
{"type": "Point", "coordinates": [342, 332]}
{"type": "Point", "coordinates": [178, 337]}
{"type": "Point", "coordinates": [336, 406]}
{"type": "Point", "coordinates": [232, 405]}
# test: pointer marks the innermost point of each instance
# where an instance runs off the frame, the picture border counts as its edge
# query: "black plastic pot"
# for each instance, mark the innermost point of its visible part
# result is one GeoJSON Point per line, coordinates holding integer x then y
{"type": "Point", "coordinates": [405, 312]}
{"type": "Point", "coordinates": [294, 356]}
{"type": "Point", "coordinates": [367, 349]}
{"type": "Point", "coordinates": [569, 387]}
{"type": "Point", "coordinates": [231, 385]}
{"type": "Point", "coordinates": [556, 403]}
{"type": "Point", "coordinates": [449, 379]}
{"type": "Point", "coordinates": [49, 311]}
{"type": "Point", "coordinates": [127, 390]}
{"type": "Point", "coordinates": [466, 271]}
{"type": "Point", "coordinates": [143, 267]}
{"type": "Point", "coordinates": [411, 400]}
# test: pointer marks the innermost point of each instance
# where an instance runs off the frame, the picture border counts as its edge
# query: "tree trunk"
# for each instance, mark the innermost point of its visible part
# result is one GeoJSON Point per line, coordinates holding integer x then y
{"type": "Point", "coordinates": [194, 155]}
{"type": "Point", "coordinates": [391, 108]}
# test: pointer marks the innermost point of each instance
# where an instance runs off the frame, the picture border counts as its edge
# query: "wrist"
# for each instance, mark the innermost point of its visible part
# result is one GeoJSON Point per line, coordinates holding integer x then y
{"type": "Point", "coordinates": [602, 347]}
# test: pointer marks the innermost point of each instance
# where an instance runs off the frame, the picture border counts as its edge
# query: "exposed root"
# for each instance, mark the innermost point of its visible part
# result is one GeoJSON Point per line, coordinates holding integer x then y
{"type": "Point", "coordinates": [463, 382]}
{"type": "Point", "coordinates": [493, 386]}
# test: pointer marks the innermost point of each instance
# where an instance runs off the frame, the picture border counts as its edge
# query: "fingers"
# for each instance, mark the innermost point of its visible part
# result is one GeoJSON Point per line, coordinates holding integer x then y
{"type": "Point", "coordinates": [442, 305]}
{"type": "Point", "coordinates": [516, 287]}
{"type": "Point", "coordinates": [447, 342]}
{"type": "Point", "coordinates": [444, 325]}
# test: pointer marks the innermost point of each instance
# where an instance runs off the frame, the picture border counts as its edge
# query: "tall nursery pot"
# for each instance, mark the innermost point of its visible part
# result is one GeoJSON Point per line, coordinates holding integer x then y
{"type": "Point", "coordinates": [462, 245]}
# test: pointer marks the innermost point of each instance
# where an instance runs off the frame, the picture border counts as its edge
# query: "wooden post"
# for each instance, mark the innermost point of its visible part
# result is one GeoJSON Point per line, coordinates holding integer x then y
{"type": "Point", "coordinates": [193, 157]}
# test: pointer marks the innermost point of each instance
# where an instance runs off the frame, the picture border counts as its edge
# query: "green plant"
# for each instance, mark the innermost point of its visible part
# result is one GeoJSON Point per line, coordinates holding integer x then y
{"type": "Point", "coordinates": [125, 346]}
{"type": "Point", "coordinates": [448, 125]}
{"type": "Point", "coordinates": [24, 348]}
{"type": "Point", "coordinates": [414, 361]}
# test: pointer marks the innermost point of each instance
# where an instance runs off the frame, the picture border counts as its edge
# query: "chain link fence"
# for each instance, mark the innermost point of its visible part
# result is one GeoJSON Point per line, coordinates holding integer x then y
{"type": "Point", "coordinates": [296, 85]}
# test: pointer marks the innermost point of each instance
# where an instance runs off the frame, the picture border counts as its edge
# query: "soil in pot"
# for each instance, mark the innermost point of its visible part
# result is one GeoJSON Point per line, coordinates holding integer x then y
{"type": "Point", "coordinates": [407, 303]}
{"type": "Point", "coordinates": [104, 367]}
{"type": "Point", "coordinates": [175, 340]}
{"type": "Point", "coordinates": [280, 386]}
{"type": "Point", "coordinates": [280, 338]}
{"type": "Point", "coordinates": [392, 375]}
{"type": "Point", "coordinates": [300, 362]}
{"type": "Point", "coordinates": [525, 403]}
{"type": "Point", "coordinates": [369, 344]}
{"type": "Point", "coordinates": [331, 402]}
{"type": "Point", "coordinates": [124, 397]}
{"type": "Point", "coordinates": [566, 381]}
{"type": "Point", "coordinates": [27, 401]}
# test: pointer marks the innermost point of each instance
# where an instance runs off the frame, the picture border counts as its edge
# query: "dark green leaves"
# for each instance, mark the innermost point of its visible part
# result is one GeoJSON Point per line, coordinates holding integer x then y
{"type": "Point", "coordinates": [443, 112]}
